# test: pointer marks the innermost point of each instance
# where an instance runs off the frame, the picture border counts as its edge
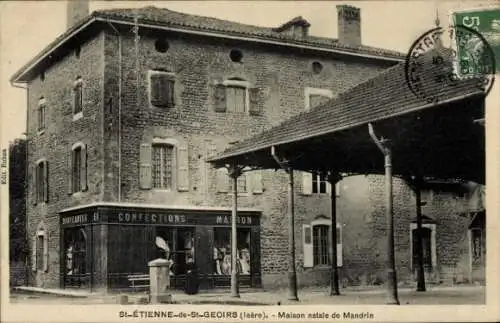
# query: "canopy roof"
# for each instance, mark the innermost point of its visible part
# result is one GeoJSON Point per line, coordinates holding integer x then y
{"type": "Point", "coordinates": [438, 139]}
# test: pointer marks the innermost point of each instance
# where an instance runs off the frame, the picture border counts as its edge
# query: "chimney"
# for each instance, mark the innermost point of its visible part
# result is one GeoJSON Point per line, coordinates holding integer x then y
{"type": "Point", "coordinates": [75, 11]}
{"type": "Point", "coordinates": [349, 25]}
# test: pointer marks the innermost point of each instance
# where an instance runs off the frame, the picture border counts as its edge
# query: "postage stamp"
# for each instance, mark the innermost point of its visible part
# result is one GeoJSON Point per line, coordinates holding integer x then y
{"type": "Point", "coordinates": [248, 161]}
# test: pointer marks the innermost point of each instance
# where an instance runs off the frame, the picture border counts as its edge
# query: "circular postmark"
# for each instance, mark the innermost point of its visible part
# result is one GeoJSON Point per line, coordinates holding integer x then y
{"type": "Point", "coordinates": [431, 67]}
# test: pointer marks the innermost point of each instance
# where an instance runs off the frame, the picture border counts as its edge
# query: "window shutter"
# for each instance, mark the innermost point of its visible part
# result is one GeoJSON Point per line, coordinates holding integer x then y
{"type": "Point", "coordinates": [306, 183]}
{"type": "Point", "coordinates": [33, 254]}
{"type": "Point", "coordinates": [145, 166]}
{"type": "Point", "coordinates": [45, 252]}
{"type": "Point", "coordinates": [219, 98]}
{"type": "Point", "coordinates": [33, 188]}
{"type": "Point", "coordinates": [339, 246]}
{"type": "Point", "coordinates": [256, 108]}
{"type": "Point", "coordinates": [222, 180]}
{"type": "Point", "coordinates": [70, 171]}
{"type": "Point", "coordinates": [308, 245]}
{"type": "Point", "coordinates": [169, 91]}
{"type": "Point", "coordinates": [257, 185]}
{"type": "Point", "coordinates": [46, 181]}
{"type": "Point", "coordinates": [182, 167]}
{"type": "Point", "coordinates": [155, 89]}
{"type": "Point", "coordinates": [83, 169]}
{"type": "Point", "coordinates": [328, 188]}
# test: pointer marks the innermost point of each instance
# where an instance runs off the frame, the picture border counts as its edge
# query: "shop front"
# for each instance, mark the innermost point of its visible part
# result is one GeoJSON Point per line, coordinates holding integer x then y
{"type": "Point", "coordinates": [102, 246]}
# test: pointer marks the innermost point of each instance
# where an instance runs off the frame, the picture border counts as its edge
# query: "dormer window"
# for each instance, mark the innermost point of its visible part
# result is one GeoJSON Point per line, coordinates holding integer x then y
{"type": "Point", "coordinates": [297, 27]}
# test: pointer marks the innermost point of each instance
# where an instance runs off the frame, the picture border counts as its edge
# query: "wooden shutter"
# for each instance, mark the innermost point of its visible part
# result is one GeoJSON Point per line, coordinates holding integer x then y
{"type": "Point", "coordinates": [83, 168]}
{"type": "Point", "coordinates": [256, 107]}
{"type": "Point", "coordinates": [45, 181]}
{"type": "Point", "coordinates": [70, 170]}
{"type": "Point", "coordinates": [169, 91]}
{"type": "Point", "coordinates": [145, 175]}
{"type": "Point", "coordinates": [307, 241]}
{"type": "Point", "coordinates": [33, 188]}
{"type": "Point", "coordinates": [155, 89]}
{"type": "Point", "coordinates": [307, 183]}
{"type": "Point", "coordinates": [219, 98]}
{"type": "Point", "coordinates": [33, 253]}
{"type": "Point", "coordinates": [222, 180]}
{"type": "Point", "coordinates": [257, 185]}
{"type": "Point", "coordinates": [182, 167]}
{"type": "Point", "coordinates": [45, 251]}
{"type": "Point", "coordinates": [339, 246]}
{"type": "Point", "coordinates": [328, 188]}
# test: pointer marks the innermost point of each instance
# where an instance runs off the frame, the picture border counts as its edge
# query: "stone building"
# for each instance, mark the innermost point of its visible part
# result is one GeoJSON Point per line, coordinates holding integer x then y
{"type": "Point", "coordinates": [125, 107]}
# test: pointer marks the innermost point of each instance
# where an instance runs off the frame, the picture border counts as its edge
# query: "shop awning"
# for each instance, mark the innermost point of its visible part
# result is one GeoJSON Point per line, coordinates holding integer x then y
{"type": "Point", "coordinates": [441, 139]}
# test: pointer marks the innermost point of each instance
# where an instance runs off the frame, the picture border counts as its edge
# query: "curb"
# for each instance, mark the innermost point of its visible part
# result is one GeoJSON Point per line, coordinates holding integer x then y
{"type": "Point", "coordinates": [36, 290]}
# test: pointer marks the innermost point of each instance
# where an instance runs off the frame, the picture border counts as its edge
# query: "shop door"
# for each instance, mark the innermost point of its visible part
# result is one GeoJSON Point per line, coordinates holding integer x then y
{"type": "Point", "coordinates": [76, 273]}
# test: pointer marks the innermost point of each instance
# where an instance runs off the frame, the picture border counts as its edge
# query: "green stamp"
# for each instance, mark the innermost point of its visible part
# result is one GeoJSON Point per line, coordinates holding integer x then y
{"type": "Point", "coordinates": [473, 56]}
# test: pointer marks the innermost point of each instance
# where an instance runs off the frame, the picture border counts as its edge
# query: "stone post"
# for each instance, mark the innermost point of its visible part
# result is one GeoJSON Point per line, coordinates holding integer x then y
{"type": "Point", "coordinates": [159, 280]}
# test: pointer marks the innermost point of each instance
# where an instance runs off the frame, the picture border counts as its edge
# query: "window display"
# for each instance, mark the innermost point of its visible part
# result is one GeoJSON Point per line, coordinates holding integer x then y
{"type": "Point", "coordinates": [222, 251]}
{"type": "Point", "coordinates": [177, 246]}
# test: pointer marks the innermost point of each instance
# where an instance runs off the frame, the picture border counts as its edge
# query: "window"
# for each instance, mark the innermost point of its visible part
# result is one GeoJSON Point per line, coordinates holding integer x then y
{"type": "Point", "coordinates": [77, 175]}
{"type": "Point", "coordinates": [161, 45]}
{"type": "Point", "coordinates": [476, 246]}
{"type": "Point", "coordinates": [316, 238]}
{"type": "Point", "coordinates": [40, 182]}
{"type": "Point", "coordinates": [236, 55]}
{"type": "Point", "coordinates": [428, 235]}
{"type": "Point", "coordinates": [244, 182]}
{"type": "Point", "coordinates": [222, 251]}
{"type": "Point", "coordinates": [163, 160]}
{"type": "Point", "coordinates": [180, 247]}
{"type": "Point", "coordinates": [78, 97]}
{"type": "Point", "coordinates": [161, 89]}
{"type": "Point", "coordinates": [319, 183]}
{"type": "Point", "coordinates": [41, 114]}
{"type": "Point", "coordinates": [236, 96]}
{"type": "Point", "coordinates": [75, 249]}
{"type": "Point", "coordinates": [320, 244]}
{"type": "Point", "coordinates": [236, 99]}
{"type": "Point", "coordinates": [315, 97]}
{"type": "Point", "coordinates": [241, 182]}
{"type": "Point", "coordinates": [317, 67]}
{"type": "Point", "coordinates": [40, 252]}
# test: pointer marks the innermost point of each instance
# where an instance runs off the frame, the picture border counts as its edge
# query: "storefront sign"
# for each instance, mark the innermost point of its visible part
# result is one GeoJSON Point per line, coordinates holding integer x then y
{"type": "Point", "coordinates": [157, 217]}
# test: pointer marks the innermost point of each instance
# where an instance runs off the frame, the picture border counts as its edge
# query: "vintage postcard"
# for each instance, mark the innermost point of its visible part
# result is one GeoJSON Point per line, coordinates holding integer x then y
{"type": "Point", "coordinates": [250, 161]}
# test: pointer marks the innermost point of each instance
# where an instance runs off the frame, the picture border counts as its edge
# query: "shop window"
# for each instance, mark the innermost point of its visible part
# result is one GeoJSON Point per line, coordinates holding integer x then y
{"type": "Point", "coordinates": [316, 238]}
{"type": "Point", "coordinates": [476, 246]}
{"type": "Point", "coordinates": [41, 115]}
{"type": "Point", "coordinates": [75, 247]}
{"type": "Point", "coordinates": [40, 182]}
{"type": "Point", "coordinates": [180, 248]}
{"type": "Point", "coordinates": [222, 251]}
{"type": "Point", "coordinates": [77, 179]}
{"type": "Point", "coordinates": [163, 159]}
{"type": "Point", "coordinates": [78, 99]}
{"type": "Point", "coordinates": [236, 96]}
{"type": "Point", "coordinates": [162, 89]}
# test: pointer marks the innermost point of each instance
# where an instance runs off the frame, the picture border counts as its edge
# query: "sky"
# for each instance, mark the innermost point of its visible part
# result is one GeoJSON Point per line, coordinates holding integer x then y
{"type": "Point", "coordinates": [26, 27]}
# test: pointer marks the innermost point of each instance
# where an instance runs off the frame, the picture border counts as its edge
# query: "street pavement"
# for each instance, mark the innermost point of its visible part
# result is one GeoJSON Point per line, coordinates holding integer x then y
{"type": "Point", "coordinates": [457, 295]}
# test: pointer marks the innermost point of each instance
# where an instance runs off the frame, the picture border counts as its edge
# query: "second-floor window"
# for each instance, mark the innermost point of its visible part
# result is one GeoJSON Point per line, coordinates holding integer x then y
{"type": "Point", "coordinates": [163, 166]}
{"type": "Point", "coordinates": [162, 89]}
{"type": "Point", "coordinates": [319, 183]}
{"type": "Point", "coordinates": [41, 114]}
{"type": "Point", "coordinates": [41, 181]}
{"type": "Point", "coordinates": [77, 175]}
{"type": "Point", "coordinates": [78, 96]}
{"type": "Point", "coordinates": [236, 97]}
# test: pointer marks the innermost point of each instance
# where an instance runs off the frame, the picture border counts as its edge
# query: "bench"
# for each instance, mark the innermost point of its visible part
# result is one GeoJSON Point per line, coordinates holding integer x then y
{"type": "Point", "coordinates": [138, 281]}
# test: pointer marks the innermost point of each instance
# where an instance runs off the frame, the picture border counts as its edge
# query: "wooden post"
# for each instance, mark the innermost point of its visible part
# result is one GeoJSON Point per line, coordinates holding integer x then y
{"type": "Point", "coordinates": [234, 173]}
{"type": "Point", "coordinates": [420, 254]}
{"type": "Point", "coordinates": [334, 273]}
{"type": "Point", "coordinates": [292, 273]}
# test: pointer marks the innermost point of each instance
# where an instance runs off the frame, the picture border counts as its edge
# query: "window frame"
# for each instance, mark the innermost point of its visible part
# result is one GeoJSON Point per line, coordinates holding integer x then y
{"type": "Point", "coordinates": [174, 144]}
{"type": "Point", "coordinates": [40, 253]}
{"type": "Point", "coordinates": [323, 221]}
{"type": "Point", "coordinates": [316, 183]}
{"type": "Point", "coordinates": [42, 106]}
{"type": "Point", "coordinates": [242, 84]}
{"type": "Point", "coordinates": [163, 166]}
{"type": "Point", "coordinates": [41, 182]}
{"type": "Point", "coordinates": [78, 84]}
{"type": "Point", "coordinates": [172, 76]}
{"type": "Point", "coordinates": [82, 148]}
{"type": "Point", "coordinates": [308, 91]}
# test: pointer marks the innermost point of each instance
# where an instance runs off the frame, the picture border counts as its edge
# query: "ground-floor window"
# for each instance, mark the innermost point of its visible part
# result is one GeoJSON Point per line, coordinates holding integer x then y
{"type": "Point", "coordinates": [180, 248]}
{"type": "Point", "coordinates": [75, 247]}
{"type": "Point", "coordinates": [222, 251]}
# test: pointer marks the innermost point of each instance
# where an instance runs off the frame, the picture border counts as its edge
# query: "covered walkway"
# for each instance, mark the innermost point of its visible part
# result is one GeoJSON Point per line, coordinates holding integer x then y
{"type": "Point", "coordinates": [377, 127]}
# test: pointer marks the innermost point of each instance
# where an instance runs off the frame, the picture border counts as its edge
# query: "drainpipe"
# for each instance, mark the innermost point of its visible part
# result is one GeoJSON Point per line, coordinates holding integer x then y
{"type": "Point", "coordinates": [234, 173]}
{"type": "Point", "coordinates": [392, 288]}
{"type": "Point", "coordinates": [292, 273]}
